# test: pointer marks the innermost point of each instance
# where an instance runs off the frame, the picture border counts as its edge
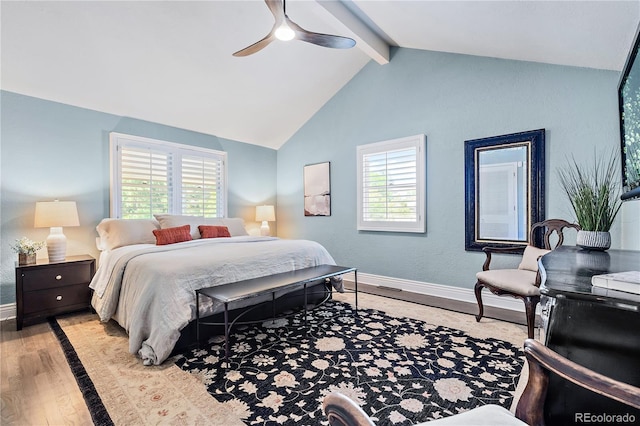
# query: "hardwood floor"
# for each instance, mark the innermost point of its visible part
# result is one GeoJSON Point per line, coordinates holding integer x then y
{"type": "Point", "coordinates": [36, 383]}
{"type": "Point", "coordinates": [440, 302]}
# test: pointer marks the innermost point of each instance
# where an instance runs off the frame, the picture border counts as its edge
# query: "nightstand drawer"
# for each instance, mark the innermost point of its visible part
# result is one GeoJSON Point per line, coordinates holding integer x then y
{"type": "Point", "coordinates": [52, 299]}
{"type": "Point", "coordinates": [56, 276]}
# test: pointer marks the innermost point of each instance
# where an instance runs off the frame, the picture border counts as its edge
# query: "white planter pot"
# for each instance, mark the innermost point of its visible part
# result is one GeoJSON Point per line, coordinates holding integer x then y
{"type": "Point", "coordinates": [593, 240]}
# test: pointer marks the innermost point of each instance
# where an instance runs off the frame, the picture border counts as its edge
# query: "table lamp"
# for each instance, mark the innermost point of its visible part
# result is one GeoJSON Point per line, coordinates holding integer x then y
{"type": "Point", "coordinates": [55, 215]}
{"type": "Point", "coordinates": [265, 214]}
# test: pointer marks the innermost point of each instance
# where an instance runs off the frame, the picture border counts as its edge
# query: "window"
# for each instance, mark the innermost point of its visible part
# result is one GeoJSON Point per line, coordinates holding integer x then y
{"type": "Point", "coordinates": [150, 177]}
{"type": "Point", "coordinates": [391, 185]}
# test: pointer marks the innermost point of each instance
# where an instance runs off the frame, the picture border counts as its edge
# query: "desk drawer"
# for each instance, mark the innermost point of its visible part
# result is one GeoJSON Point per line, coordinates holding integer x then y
{"type": "Point", "coordinates": [57, 299]}
{"type": "Point", "coordinates": [56, 276]}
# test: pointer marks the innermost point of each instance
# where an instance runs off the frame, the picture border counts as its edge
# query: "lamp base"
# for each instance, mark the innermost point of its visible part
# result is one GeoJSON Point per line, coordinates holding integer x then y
{"type": "Point", "coordinates": [264, 229]}
{"type": "Point", "coordinates": [56, 245]}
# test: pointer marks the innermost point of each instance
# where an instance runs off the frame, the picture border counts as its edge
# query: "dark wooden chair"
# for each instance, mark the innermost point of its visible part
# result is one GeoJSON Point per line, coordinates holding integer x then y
{"type": "Point", "coordinates": [342, 411]}
{"type": "Point", "coordinates": [524, 282]}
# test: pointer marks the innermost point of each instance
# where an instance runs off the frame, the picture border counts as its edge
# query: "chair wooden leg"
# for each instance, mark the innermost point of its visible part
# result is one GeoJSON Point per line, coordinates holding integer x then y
{"type": "Point", "coordinates": [478, 290]}
{"type": "Point", "coordinates": [530, 407]}
{"type": "Point", "coordinates": [530, 303]}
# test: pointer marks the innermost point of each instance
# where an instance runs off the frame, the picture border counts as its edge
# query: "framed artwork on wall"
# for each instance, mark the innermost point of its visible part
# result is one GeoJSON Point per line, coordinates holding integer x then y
{"type": "Point", "coordinates": [317, 189]}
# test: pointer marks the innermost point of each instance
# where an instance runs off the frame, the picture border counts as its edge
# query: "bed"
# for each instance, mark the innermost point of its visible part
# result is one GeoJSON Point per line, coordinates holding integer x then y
{"type": "Point", "coordinates": [149, 289]}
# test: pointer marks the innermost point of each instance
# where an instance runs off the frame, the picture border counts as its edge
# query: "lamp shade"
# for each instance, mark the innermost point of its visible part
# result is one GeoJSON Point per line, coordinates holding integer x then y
{"type": "Point", "coordinates": [267, 213]}
{"type": "Point", "coordinates": [56, 214]}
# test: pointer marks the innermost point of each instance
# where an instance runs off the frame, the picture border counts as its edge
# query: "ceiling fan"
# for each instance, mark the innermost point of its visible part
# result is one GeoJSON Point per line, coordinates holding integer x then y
{"type": "Point", "coordinates": [285, 29]}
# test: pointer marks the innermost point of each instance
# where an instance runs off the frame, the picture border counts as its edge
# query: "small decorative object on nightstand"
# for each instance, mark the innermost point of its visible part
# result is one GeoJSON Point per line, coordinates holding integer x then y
{"type": "Point", "coordinates": [26, 250]}
{"type": "Point", "coordinates": [45, 289]}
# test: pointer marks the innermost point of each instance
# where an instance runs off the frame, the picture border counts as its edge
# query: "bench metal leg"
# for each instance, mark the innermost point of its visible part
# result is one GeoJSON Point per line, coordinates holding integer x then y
{"type": "Point", "coordinates": [305, 308]}
{"type": "Point", "coordinates": [226, 331]}
{"type": "Point", "coordinates": [198, 319]}
{"type": "Point", "coordinates": [355, 279]}
{"type": "Point", "coordinates": [273, 307]}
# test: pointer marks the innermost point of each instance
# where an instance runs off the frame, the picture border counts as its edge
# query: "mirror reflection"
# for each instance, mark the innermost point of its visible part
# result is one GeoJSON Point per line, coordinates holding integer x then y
{"type": "Point", "coordinates": [504, 189]}
{"type": "Point", "coordinates": [502, 193]}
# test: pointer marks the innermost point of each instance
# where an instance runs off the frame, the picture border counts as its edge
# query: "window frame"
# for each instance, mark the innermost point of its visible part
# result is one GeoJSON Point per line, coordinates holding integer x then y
{"type": "Point", "coordinates": [416, 226]}
{"type": "Point", "coordinates": [176, 150]}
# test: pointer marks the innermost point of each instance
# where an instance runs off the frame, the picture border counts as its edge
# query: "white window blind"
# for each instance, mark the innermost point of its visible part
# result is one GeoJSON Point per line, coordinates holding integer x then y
{"type": "Point", "coordinates": [150, 177]}
{"type": "Point", "coordinates": [145, 182]}
{"type": "Point", "coordinates": [201, 186]}
{"type": "Point", "coordinates": [391, 185]}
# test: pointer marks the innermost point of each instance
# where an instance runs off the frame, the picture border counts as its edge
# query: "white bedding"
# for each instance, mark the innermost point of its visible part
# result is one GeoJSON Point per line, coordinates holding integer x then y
{"type": "Point", "coordinates": [150, 290]}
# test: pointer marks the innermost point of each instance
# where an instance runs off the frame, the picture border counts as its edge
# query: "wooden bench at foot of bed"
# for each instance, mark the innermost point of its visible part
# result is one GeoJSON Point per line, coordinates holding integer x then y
{"type": "Point", "coordinates": [270, 284]}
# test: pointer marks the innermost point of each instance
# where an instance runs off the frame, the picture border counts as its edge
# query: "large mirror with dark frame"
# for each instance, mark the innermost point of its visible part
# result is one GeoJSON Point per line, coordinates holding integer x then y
{"type": "Point", "coordinates": [504, 189]}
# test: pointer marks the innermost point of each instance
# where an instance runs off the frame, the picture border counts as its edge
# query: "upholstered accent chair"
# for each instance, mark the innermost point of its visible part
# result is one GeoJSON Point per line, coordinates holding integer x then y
{"type": "Point", "coordinates": [524, 282]}
{"type": "Point", "coordinates": [342, 411]}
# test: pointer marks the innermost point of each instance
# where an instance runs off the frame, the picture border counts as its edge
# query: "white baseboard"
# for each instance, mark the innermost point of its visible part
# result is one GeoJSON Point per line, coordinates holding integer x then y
{"type": "Point", "coordinates": [438, 290]}
{"type": "Point", "coordinates": [8, 311]}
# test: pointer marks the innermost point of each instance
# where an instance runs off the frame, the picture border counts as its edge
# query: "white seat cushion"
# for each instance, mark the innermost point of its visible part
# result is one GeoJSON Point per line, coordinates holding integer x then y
{"type": "Point", "coordinates": [519, 281]}
{"type": "Point", "coordinates": [487, 415]}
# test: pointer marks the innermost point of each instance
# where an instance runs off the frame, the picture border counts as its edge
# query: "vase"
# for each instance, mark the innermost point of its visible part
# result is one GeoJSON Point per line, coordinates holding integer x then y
{"type": "Point", "coordinates": [593, 240]}
{"type": "Point", "coordinates": [26, 259]}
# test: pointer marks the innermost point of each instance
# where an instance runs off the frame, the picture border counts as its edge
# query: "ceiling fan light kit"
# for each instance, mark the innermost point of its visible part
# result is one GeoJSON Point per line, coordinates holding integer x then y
{"type": "Point", "coordinates": [285, 29]}
{"type": "Point", "coordinates": [284, 33]}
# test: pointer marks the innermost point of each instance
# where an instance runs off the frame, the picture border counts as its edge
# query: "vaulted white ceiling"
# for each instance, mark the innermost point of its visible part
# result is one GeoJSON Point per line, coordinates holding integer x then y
{"type": "Point", "coordinates": [170, 61]}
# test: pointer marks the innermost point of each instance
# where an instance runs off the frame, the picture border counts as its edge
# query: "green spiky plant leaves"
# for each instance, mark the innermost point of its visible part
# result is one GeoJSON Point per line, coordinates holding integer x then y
{"type": "Point", "coordinates": [593, 191]}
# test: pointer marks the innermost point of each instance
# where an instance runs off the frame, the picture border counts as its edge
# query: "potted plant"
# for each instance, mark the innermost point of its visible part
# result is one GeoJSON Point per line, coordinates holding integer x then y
{"type": "Point", "coordinates": [26, 250]}
{"type": "Point", "coordinates": [594, 193]}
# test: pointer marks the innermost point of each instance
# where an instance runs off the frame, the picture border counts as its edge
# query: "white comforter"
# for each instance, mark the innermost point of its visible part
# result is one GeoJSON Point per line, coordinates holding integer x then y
{"type": "Point", "coordinates": [150, 290]}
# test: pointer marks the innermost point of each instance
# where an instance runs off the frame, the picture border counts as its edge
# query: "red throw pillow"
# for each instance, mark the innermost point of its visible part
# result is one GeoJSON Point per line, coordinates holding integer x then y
{"type": "Point", "coordinates": [210, 231]}
{"type": "Point", "coordinates": [172, 235]}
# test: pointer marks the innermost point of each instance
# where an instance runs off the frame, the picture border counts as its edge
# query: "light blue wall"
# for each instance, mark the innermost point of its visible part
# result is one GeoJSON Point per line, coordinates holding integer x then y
{"type": "Point", "coordinates": [51, 150]}
{"type": "Point", "coordinates": [450, 98]}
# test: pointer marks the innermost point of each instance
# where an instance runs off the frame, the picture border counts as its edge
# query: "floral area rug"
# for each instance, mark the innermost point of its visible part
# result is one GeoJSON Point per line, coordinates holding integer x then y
{"type": "Point", "coordinates": [400, 371]}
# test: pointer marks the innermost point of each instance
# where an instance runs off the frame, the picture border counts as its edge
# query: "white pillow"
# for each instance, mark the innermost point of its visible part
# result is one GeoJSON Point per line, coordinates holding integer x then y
{"type": "Point", "coordinates": [530, 258]}
{"type": "Point", "coordinates": [172, 221]}
{"type": "Point", "coordinates": [235, 224]}
{"type": "Point", "coordinates": [116, 233]}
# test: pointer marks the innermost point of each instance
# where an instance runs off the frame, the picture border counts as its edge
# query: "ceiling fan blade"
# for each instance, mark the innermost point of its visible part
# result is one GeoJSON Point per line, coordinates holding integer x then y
{"type": "Point", "coordinates": [277, 9]}
{"type": "Point", "coordinates": [324, 40]}
{"type": "Point", "coordinates": [256, 47]}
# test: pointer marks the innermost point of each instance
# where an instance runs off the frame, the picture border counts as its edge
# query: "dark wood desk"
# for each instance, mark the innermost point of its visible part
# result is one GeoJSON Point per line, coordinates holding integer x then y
{"type": "Point", "coordinates": [592, 326]}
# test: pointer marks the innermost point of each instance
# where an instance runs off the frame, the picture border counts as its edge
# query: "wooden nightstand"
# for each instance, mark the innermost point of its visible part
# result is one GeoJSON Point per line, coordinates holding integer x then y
{"type": "Point", "coordinates": [47, 289]}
